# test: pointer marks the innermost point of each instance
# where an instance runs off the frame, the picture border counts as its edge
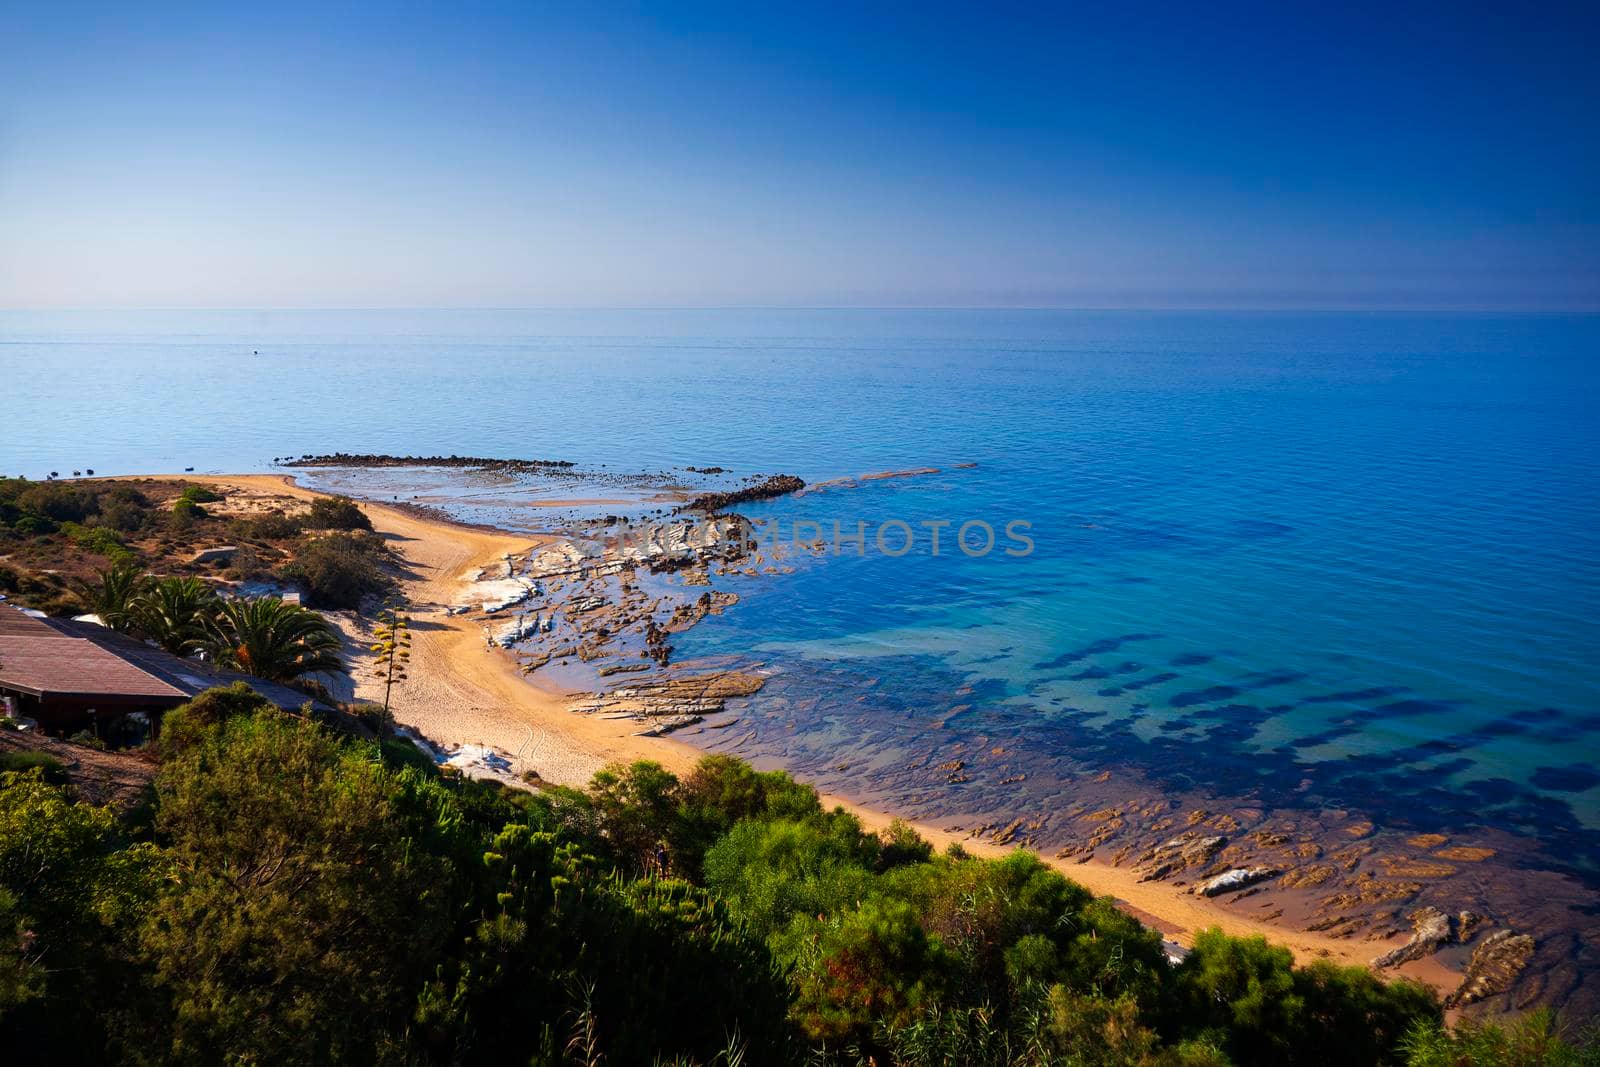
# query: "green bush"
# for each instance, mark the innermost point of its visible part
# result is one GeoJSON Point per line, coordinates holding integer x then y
{"type": "Point", "coordinates": [300, 896]}
{"type": "Point", "coordinates": [1246, 996]}
{"type": "Point", "coordinates": [272, 527]}
{"type": "Point", "coordinates": [96, 539]}
{"type": "Point", "coordinates": [1538, 1039]}
{"type": "Point", "coordinates": [124, 516]}
{"type": "Point", "coordinates": [336, 513]}
{"type": "Point", "coordinates": [27, 759]}
{"type": "Point", "coordinates": [190, 723]}
{"type": "Point", "coordinates": [770, 872]}
{"type": "Point", "coordinates": [185, 512]}
{"type": "Point", "coordinates": [867, 966]}
{"type": "Point", "coordinates": [88, 739]}
{"type": "Point", "coordinates": [339, 570]}
{"type": "Point", "coordinates": [246, 565]}
{"type": "Point", "coordinates": [901, 845]}
{"type": "Point", "coordinates": [72, 886]}
{"type": "Point", "coordinates": [34, 525]}
{"type": "Point", "coordinates": [57, 502]}
{"type": "Point", "coordinates": [199, 494]}
{"type": "Point", "coordinates": [38, 508]}
{"type": "Point", "coordinates": [123, 493]}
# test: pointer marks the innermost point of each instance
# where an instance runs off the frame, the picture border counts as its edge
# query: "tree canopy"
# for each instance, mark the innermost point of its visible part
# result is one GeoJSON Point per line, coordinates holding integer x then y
{"type": "Point", "coordinates": [290, 895]}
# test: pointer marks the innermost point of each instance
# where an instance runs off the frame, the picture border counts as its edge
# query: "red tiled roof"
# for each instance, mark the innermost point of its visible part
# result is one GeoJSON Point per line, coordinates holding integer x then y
{"type": "Point", "coordinates": [59, 665]}
{"type": "Point", "coordinates": [16, 621]}
{"type": "Point", "coordinates": [57, 657]}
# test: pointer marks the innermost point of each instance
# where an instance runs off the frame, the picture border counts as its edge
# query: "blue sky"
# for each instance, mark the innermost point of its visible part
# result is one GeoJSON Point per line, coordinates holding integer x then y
{"type": "Point", "coordinates": [530, 155]}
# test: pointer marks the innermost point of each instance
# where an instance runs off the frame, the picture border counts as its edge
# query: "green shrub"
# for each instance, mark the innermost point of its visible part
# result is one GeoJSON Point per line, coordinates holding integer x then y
{"type": "Point", "coordinates": [1538, 1039]}
{"type": "Point", "coordinates": [902, 844]}
{"type": "Point", "coordinates": [123, 493]}
{"type": "Point", "coordinates": [397, 752]}
{"type": "Point", "coordinates": [96, 539]}
{"type": "Point", "coordinates": [272, 527]}
{"type": "Point", "coordinates": [872, 965]}
{"type": "Point", "coordinates": [188, 724]}
{"type": "Point", "coordinates": [185, 513]}
{"type": "Point", "coordinates": [246, 565]}
{"type": "Point", "coordinates": [27, 759]}
{"type": "Point", "coordinates": [123, 516]}
{"type": "Point", "coordinates": [637, 810]}
{"type": "Point", "coordinates": [71, 889]}
{"type": "Point", "coordinates": [339, 570]}
{"type": "Point", "coordinates": [199, 494]}
{"type": "Point", "coordinates": [316, 953]}
{"type": "Point", "coordinates": [1247, 997]}
{"type": "Point", "coordinates": [88, 739]}
{"type": "Point", "coordinates": [299, 896]}
{"type": "Point", "coordinates": [58, 502]}
{"type": "Point", "coordinates": [336, 513]}
{"type": "Point", "coordinates": [770, 872]}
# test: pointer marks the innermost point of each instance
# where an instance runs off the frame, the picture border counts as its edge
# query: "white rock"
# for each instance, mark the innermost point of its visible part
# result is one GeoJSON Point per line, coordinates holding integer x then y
{"type": "Point", "coordinates": [1238, 878]}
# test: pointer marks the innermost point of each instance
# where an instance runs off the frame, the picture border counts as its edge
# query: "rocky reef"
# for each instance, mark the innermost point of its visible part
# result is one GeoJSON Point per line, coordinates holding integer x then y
{"type": "Point", "coordinates": [601, 607]}
{"type": "Point", "coordinates": [598, 609]}
{"type": "Point", "coordinates": [774, 486]}
{"type": "Point", "coordinates": [371, 459]}
{"type": "Point", "coordinates": [1495, 965]}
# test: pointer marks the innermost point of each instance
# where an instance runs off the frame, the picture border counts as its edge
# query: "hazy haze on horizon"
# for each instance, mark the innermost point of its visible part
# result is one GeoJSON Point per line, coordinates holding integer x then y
{"type": "Point", "coordinates": [514, 156]}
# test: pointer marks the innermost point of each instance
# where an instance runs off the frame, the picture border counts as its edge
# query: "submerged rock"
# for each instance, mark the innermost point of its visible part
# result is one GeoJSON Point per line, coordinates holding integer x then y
{"type": "Point", "coordinates": [668, 724]}
{"type": "Point", "coordinates": [1186, 850]}
{"type": "Point", "coordinates": [622, 668]}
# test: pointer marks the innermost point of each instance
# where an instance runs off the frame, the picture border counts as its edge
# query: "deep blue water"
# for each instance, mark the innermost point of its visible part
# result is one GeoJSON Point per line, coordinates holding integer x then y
{"type": "Point", "coordinates": [1357, 550]}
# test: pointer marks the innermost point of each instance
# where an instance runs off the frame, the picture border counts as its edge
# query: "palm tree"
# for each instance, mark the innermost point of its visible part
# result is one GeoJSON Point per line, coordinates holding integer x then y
{"type": "Point", "coordinates": [270, 639]}
{"type": "Point", "coordinates": [115, 592]}
{"type": "Point", "coordinates": [174, 612]}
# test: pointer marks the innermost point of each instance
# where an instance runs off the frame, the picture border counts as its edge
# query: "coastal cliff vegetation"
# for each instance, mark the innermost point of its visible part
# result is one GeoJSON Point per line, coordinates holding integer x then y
{"type": "Point", "coordinates": [58, 537]}
{"type": "Point", "coordinates": [285, 894]}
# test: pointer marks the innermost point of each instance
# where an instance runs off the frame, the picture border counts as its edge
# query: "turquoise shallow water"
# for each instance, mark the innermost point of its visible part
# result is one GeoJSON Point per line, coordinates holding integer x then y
{"type": "Point", "coordinates": [1335, 559]}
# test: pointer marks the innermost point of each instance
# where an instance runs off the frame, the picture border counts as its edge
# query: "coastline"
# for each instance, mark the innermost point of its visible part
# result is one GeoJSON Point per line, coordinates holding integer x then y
{"type": "Point", "coordinates": [465, 694]}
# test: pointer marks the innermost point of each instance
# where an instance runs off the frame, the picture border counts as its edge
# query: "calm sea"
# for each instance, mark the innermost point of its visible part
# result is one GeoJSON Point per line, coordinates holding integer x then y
{"type": "Point", "coordinates": [1344, 559]}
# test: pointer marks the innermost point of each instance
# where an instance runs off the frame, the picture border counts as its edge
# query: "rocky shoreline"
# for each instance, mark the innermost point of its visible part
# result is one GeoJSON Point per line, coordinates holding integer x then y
{"type": "Point", "coordinates": [596, 611]}
{"type": "Point", "coordinates": [372, 459]}
{"type": "Point", "coordinates": [601, 609]}
{"type": "Point", "coordinates": [1514, 935]}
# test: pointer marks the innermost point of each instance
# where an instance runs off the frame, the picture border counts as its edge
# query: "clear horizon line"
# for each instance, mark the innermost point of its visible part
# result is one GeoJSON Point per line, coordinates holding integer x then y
{"type": "Point", "coordinates": [1584, 309]}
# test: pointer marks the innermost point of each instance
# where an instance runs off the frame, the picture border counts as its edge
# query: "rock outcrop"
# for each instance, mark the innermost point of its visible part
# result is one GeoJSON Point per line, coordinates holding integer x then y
{"type": "Point", "coordinates": [1186, 850]}
{"type": "Point", "coordinates": [1432, 928]}
{"type": "Point", "coordinates": [1495, 964]}
{"type": "Point", "coordinates": [1238, 878]}
{"type": "Point", "coordinates": [369, 459]}
{"type": "Point", "coordinates": [775, 486]}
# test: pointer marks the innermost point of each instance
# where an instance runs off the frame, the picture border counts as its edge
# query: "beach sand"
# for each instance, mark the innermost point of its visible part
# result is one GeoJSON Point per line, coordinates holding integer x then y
{"type": "Point", "coordinates": [462, 692]}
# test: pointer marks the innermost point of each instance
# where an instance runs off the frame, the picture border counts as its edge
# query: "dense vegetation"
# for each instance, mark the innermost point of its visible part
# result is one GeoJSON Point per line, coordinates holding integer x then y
{"type": "Point", "coordinates": [264, 636]}
{"type": "Point", "coordinates": [339, 570]}
{"type": "Point", "coordinates": [288, 895]}
{"type": "Point", "coordinates": [54, 533]}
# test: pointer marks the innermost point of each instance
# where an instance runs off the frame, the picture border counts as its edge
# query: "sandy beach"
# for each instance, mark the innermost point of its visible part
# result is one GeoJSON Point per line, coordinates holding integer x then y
{"type": "Point", "coordinates": [463, 692]}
